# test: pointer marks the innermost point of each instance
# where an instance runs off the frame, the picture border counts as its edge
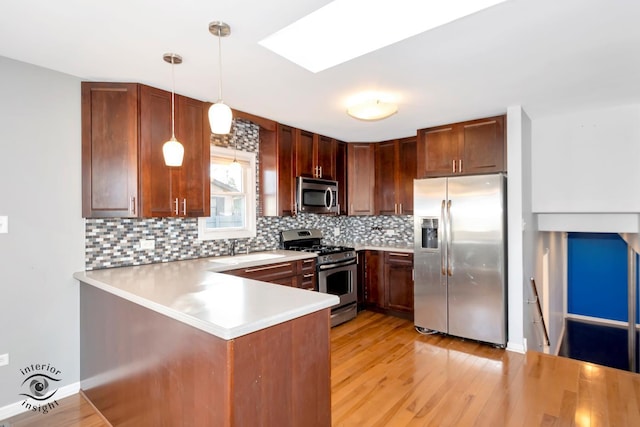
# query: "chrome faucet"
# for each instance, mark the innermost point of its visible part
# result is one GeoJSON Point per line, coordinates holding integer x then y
{"type": "Point", "coordinates": [232, 247]}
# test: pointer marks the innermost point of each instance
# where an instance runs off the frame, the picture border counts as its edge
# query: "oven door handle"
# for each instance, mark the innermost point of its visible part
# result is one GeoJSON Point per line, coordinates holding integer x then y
{"type": "Point", "coordinates": [338, 264]}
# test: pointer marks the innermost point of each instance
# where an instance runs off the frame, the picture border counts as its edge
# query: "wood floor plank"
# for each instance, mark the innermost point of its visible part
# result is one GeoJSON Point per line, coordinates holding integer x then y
{"type": "Point", "coordinates": [384, 373]}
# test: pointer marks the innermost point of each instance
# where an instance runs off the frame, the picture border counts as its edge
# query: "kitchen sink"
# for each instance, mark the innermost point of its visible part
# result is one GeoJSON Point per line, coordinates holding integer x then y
{"type": "Point", "coordinates": [240, 259]}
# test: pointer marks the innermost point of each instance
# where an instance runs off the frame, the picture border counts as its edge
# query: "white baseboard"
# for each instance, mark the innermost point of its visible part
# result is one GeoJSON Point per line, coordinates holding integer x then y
{"type": "Point", "coordinates": [517, 348]}
{"type": "Point", "coordinates": [14, 409]}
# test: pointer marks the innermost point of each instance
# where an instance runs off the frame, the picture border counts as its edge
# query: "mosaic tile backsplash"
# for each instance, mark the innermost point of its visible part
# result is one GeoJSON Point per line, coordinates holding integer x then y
{"type": "Point", "coordinates": [115, 242]}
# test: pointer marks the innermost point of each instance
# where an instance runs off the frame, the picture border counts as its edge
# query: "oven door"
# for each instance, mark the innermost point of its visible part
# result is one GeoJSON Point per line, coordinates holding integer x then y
{"type": "Point", "coordinates": [339, 279]}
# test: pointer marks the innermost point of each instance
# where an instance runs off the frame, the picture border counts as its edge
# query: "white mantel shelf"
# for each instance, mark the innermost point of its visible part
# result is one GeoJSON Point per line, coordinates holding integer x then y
{"type": "Point", "coordinates": [223, 305]}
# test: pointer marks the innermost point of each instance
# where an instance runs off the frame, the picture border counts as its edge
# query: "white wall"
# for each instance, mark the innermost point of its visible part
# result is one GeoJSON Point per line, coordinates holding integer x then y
{"type": "Point", "coordinates": [40, 191]}
{"type": "Point", "coordinates": [587, 161]}
{"type": "Point", "coordinates": [521, 223]}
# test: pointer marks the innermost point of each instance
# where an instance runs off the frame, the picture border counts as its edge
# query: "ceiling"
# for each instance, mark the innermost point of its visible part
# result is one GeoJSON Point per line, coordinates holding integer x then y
{"type": "Point", "coordinates": [549, 56]}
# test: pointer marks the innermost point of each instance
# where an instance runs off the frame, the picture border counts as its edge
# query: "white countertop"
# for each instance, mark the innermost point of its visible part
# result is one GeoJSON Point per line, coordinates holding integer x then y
{"type": "Point", "coordinates": [223, 305]}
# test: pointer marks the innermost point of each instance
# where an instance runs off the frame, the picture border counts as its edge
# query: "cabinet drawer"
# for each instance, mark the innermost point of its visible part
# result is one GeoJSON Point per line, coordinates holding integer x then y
{"type": "Point", "coordinates": [399, 258]}
{"type": "Point", "coordinates": [267, 273]}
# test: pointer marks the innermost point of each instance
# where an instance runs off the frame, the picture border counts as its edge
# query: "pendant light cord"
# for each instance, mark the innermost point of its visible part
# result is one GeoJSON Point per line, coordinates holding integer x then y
{"type": "Point", "coordinates": [220, 64]}
{"type": "Point", "coordinates": [173, 94]}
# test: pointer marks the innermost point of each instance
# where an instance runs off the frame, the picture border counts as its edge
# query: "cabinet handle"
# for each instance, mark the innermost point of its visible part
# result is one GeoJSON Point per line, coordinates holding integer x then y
{"type": "Point", "coordinates": [306, 276]}
{"type": "Point", "coordinates": [454, 165]}
{"type": "Point", "coordinates": [132, 205]}
{"type": "Point", "coordinates": [269, 267]}
{"type": "Point", "coordinates": [176, 211]}
{"type": "Point", "coordinates": [460, 166]}
{"type": "Point", "coordinates": [395, 208]}
{"type": "Point", "coordinates": [307, 261]}
{"type": "Point", "coordinates": [184, 207]}
{"type": "Point", "coordinates": [400, 208]}
{"type": "Point", "coordinates": [320, 176]}
{"type": "Point", "coordinates": [398, 254]}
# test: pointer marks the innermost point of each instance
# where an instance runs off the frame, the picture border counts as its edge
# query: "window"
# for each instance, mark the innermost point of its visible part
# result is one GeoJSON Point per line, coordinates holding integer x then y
{"type": "Point", "coordinates": [233, 196]}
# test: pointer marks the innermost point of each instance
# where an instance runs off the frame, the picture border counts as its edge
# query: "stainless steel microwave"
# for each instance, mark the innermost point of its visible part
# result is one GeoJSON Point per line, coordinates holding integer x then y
{"type": "Point", "coordinates": [314, 195]}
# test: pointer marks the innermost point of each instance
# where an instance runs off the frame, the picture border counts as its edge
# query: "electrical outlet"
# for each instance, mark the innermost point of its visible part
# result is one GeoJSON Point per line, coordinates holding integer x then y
{"type": "Point", "coordinates": [4, 224]}
{"type": "Point", "coordinates": [148, 244]}
{"type": "Point", "coordinates": [390, 232]}
{"type": "Point", "coordinates": [336, 231]}
{"type": "Point", "coordinates": [4, 359]}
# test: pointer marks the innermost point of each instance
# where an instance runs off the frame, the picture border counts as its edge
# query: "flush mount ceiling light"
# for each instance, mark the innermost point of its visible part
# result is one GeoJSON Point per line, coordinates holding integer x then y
{"type": "Point", "coordinates": [220, 115]}
{"type": "Point", "coordinates": [358, 27]}
{"type": "Point", "coordinates": [373, 109]}
{"type": "Point", "coordinates": [172, 150]}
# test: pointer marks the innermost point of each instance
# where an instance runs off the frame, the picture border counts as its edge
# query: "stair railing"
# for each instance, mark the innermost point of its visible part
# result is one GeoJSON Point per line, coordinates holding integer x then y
{"type": "Point", "coordinates": [540, 319]}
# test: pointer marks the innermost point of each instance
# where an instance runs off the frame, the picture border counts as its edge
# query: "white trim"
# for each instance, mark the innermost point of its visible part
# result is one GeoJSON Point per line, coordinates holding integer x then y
{"type": "Point", "coordinates": [559, 343]}
{"type": "Point", "coordinates": [517, 348]}
{"type": "Point", "coordinates": [598, 320]}
{"type": "Point", "coordinates": [14, 409]}
{"type": "Point", "coordinates": [250, 178]}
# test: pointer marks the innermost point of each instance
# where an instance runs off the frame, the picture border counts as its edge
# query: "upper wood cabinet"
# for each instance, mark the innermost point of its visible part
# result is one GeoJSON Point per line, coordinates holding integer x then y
{"type": "Point", "coordinates": [361, 178]}
{"type": "Point", "coordinates": [277, 179]}
{"type": "Point", "coordinates": [315, 155]}
{"type": "Point", "coordinates": [123, 129]}
{"type": "Point", "coordinates": [395, 172]}
{"type": "Point", "coordinates": [109, 150]}
{"type": "Point", "coordinates": [341, 175]}
{"type": "Point", "coordinates": [466, 148]}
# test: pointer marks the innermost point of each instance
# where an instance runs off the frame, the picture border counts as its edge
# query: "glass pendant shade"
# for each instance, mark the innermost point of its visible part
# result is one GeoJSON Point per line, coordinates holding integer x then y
{"type": "Point", "coordinates": [173, 152]}
{"type": "Point", "coordinates": [220, 118]}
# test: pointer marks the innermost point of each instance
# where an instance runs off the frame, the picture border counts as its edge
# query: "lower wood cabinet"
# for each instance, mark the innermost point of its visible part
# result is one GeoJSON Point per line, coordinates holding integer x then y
{"type": "Point", "coordinates": [297, 274]}
{"type": "Point", "coordinates": [385, 282]}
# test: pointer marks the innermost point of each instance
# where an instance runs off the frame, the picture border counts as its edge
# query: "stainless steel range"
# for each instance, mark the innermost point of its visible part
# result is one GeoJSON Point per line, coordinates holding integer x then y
{"type": "Point", "coordinates": [336, 269]}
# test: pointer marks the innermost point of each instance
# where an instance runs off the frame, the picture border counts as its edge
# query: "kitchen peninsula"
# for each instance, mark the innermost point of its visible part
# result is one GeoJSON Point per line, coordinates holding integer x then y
{"type": "Point", "coordinates": [179, 344]}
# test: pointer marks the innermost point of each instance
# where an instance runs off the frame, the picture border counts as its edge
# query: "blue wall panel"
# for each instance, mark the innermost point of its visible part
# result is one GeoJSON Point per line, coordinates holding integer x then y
{"type": "Point", "coordinates": [597, 275]}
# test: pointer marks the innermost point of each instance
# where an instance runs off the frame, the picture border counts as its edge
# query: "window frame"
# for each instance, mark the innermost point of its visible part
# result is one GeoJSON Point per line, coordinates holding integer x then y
{"type": "Point", "coordinates": [249, 230]}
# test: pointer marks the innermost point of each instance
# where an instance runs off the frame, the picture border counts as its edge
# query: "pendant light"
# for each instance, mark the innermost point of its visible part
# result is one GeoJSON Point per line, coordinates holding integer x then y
{"type": "Point", "coordinates": [219, 113]}
{"type": "Point", "coordinates": [172, 150]}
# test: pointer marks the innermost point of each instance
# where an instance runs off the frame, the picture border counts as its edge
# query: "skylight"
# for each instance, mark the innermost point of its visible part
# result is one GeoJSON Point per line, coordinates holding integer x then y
{"type": "Point", "coordinates": [346, 29]}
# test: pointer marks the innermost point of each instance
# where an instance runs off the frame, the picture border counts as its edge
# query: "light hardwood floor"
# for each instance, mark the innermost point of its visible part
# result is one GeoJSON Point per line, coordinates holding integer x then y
{"type": "Point", "coordinates": [386, 374]}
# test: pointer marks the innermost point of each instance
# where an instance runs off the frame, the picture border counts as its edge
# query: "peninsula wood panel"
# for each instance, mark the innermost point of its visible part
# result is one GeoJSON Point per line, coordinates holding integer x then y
{"type": "Point", "coordinates": [140, 368]}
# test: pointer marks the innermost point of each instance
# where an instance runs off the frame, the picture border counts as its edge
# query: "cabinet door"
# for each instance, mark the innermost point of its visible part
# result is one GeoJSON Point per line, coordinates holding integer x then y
{"type": "Point", "coordinates": [109, 150]}
{"type": "Point", "coordinates": [326, 157]}
{"type": "Point", "coordinates": [437, 151]}
{"type": "Point", "coordinates": [341, 175]}
{"type": "Point", "coordinates": [386, 178]}
{"type": "Point", "coordinates": [374, 294]}
{"type": "Point", "coordinates": [398, 281]}
{"type": "Point", "coordinates": [361, 178]}
{"type": "Point", "coordinates": [483, 146]}
{"type": "Point", "coordinates": [195, 191]}
{"type": "Point", "coordinates": [305, 159]}
{"type": "Point", "coordinates": [159, 183]}
{"type": "Point", "coordinates": [286, 185]}
{"type": "Point", "coordinates": [407, 164]}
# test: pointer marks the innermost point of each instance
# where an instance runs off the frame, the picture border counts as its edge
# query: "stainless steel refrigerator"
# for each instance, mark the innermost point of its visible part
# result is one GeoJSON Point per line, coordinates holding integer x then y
{"type": "Point", "coordinates": [460, 257]}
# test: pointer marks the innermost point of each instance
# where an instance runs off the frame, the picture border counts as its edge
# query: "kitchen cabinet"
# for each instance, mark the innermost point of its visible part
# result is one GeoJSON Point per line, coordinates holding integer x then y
{"type": "Point", "coordinates": [398, 281]}
{"type": "Point", "coordinates": [466, 148]}
{"type": "Point", "coordinates": [395, 169]}
{"type": "Point", "coordinates": [341, 175]}
{"type": "Point", "coordinates": [277, 179]}
{"type": "Point", "coordinates": [361, 178]}
{"type": "Point", "coordinates": [297, 274]}
{"type": "Point", "coordinates": [169, 191]}
{"type": "Point", "coordinates": [385, 281]}
{"type": "Point", "coordinates": [315, 155]}
{"type": "Point", "coordinates": [124, 126]}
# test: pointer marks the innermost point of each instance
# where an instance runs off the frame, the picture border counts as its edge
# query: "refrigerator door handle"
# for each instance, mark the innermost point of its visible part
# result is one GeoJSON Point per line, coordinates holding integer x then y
{"type": "Point", "coordinates": [444, 237]}
{"type": "Point", "coordinates": [449, 268]}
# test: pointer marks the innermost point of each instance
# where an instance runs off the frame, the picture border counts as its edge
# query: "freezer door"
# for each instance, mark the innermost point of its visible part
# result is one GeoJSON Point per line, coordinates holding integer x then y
{"type": "Point", "coordinates": [430, 280]}
{"type": "Point", "coordinates": [476, 270]}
